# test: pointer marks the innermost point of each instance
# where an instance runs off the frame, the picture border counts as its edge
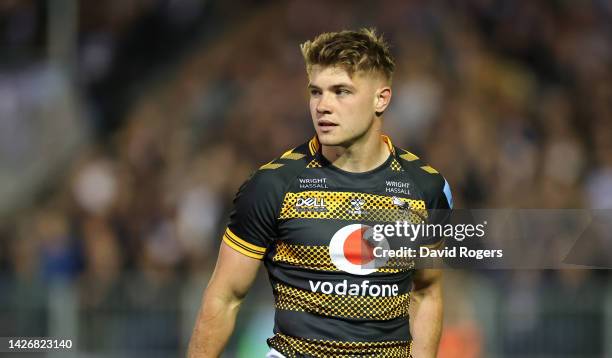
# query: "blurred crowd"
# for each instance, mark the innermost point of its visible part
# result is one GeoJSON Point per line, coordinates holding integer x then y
{"type": "Point", "coordinates": [510, 100]}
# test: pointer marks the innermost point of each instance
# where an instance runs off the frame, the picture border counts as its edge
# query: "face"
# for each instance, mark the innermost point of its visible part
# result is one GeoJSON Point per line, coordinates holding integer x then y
{"type": "Point", "coordinates": [343, 109]}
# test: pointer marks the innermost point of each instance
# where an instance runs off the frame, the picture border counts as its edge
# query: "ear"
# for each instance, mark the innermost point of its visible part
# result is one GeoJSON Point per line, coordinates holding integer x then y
{"type": "Point", "coordinates": [383, 98]}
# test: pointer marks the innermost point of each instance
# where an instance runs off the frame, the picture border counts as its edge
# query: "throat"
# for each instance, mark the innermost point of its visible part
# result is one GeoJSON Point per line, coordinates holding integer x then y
{"type": "Point", "coordinates": [357, 160]}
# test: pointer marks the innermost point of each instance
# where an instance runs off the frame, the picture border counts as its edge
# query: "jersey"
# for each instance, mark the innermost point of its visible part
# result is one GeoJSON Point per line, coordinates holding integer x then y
{"type": "Point", "coordinates": [311, 224]}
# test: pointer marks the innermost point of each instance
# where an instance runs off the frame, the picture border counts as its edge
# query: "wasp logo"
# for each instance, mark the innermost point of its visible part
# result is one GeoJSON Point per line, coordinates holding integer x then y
{"type": "Point", "coordinates": [397, 202]}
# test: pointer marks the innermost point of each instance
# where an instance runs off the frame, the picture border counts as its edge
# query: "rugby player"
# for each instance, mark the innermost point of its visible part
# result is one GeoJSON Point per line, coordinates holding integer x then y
{"type": "Point", "coordinates": [306, 215]}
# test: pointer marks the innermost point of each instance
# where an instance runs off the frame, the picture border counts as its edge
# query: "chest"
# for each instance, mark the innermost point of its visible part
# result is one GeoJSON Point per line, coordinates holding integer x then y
{"type": "Point", "coordinates": [315, 208]}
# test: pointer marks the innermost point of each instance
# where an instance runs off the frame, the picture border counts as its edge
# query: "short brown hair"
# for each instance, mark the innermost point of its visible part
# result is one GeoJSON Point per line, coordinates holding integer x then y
{"type": "Point", "coordinates": [353, 51]}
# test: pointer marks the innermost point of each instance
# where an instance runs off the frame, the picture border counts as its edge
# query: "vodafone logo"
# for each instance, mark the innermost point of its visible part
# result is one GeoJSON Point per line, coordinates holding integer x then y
{"type": "Point", "coordinates": [352, 250]}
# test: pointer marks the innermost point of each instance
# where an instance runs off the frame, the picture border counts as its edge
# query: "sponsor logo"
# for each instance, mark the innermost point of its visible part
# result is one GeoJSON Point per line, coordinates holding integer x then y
{"type": "Point", "coordinates": [399, 203]}
{"type": "Point", "coordinates": [310, 204]}
{"type": "Point", "coordinates": [352, 250]}
{"type": "Point", "coordinates": [313, 183]}
{"type": "Point", "coordinates": [397, 187]}
{"type": "Point", "coordinates": [344, 288]}
{"type": "Point", "coordinates": [405, 210]}
{"type": "Point", "coordinates": [357, 204]}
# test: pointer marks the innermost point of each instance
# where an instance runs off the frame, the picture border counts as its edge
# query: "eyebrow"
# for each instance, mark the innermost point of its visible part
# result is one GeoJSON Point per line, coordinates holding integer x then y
{"type": "Point", "coordinates": [336, 86]}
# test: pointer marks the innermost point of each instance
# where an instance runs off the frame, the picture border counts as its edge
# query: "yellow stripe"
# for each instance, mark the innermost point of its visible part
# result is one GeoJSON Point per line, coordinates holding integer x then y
{"type": "Point", "coordinates": [409, 156]}
{"type": "Point", "coordinates": [339, 207]}
{"type": "Point", "coordinates": [387, 141]}
{"type": "Point", "coordinates": [349, 306]}
{"type": "Point", "coordinates": [429, 169]}
{"type": "Point", "coordinates": [242, 242]}
{"type": "Point", "coordinates": [311, 146]}
{"type": "Point", "coordinates": [287, 152]}
{"type": "Point", "coordinates": [318, 258]}
{"type": "Point", "coordinates": [240, 249]}
{"type": "Point", "coordinates": [315, 143]}
{"type": "Point", "coordinates": [327, 348]}
{"type": "Point", "coordinates": [271, 166]}
{"type": "Point", "coordinates": [292, 156]}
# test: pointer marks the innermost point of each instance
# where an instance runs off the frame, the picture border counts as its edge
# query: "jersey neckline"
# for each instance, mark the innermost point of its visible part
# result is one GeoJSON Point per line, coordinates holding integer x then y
{"type": "Point", "coordinates": [316, 151]}
{"type": "Point", "coordinates": [327, 164]}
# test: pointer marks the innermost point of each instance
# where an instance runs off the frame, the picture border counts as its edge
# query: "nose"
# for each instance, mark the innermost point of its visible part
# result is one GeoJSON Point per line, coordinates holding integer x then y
{"type": "Point", "coordinates": [323, 106]}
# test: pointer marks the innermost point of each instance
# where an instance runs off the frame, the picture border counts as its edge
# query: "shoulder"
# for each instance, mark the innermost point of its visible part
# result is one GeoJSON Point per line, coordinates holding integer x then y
{"type": "Point", "coordinates": [429, 180]}
{"type": "Point", "coordinates": [275, 175]}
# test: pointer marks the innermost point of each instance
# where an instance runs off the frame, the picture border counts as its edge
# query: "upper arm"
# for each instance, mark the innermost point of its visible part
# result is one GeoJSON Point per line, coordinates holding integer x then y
{"type": "Point", "coordinates": [250, 232]}
{"type": "Point", "coordinates": [425, 278]}
{"type": "Point", "coordinates": [234, 274]}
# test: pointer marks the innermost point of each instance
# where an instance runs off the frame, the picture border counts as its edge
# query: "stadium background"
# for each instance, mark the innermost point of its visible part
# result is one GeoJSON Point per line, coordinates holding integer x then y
{"type": "Point", "coordinates": [127, 126]}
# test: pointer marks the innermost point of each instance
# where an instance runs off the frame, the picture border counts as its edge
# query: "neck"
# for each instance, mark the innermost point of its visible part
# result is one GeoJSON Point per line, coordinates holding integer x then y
{"type": "Point", "coordinates": [362, 155]}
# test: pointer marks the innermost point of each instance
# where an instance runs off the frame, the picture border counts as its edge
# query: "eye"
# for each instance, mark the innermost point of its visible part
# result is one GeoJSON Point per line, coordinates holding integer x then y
{"type": "Point", "coordinates": [342, 91]}
{"type": "Point", "coordinates": [314, 92]}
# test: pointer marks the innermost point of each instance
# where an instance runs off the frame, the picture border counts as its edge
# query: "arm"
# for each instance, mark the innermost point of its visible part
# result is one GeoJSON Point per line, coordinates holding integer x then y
{"type": "Point", "coordinates": [233, 276]}
{"type": "Point", "coordinates": [426, 311]}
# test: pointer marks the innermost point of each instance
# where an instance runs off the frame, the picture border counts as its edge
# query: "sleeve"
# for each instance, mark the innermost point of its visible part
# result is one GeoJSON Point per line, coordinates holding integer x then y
{"type": "Point", "coordinates": [439, 212]}
{"type": "Point", "coordinates": [252, 222]}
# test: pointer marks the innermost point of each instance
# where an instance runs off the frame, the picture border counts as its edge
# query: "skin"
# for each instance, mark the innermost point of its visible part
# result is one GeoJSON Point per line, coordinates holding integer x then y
{"type": "Point", "coordinates": [346, 113]}
{"type": "Point", "coordinates": [426, 311]}
{"type": "Point", "coordinates": [221, 302]}
{"type": "Point", "coordinates": [350, 103]}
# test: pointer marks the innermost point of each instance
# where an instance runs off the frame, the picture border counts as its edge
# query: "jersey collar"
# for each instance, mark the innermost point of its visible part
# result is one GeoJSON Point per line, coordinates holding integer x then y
{"type": "Point", "coordinates": [314, 146]}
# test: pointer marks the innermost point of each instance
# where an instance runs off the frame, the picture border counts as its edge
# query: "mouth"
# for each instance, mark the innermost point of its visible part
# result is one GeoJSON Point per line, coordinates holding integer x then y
{"type": "Point", "coordinates": [326, 124]}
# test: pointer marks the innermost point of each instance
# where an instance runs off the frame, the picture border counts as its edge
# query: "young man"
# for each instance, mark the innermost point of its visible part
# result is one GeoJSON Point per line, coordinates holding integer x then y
{"type": "Point", "coordinates": [309, 216]}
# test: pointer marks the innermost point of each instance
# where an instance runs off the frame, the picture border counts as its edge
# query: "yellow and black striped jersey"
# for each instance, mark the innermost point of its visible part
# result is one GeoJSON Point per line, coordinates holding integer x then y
{"type": "Point", "coordinates": [311, 223]}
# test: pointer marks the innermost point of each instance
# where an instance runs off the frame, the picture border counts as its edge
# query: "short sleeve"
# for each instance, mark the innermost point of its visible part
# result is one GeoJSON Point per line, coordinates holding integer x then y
{"type": "Point", "coordinates": [443, 201]}
{"type": "Point", "coordinates": [439, 212]}
{"type": "Point", "coordinates": [252, 222]}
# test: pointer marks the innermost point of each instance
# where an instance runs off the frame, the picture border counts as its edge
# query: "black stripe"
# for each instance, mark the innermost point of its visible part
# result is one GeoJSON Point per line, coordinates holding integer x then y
{"type": "Point", "coordinates": [244, 247]}
{"type": "Point", "coordinates": [306, 325]}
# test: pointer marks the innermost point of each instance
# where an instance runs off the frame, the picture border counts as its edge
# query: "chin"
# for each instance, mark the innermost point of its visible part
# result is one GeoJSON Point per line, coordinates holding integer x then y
{"type": "Point", "coordinates": [329, 139]}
